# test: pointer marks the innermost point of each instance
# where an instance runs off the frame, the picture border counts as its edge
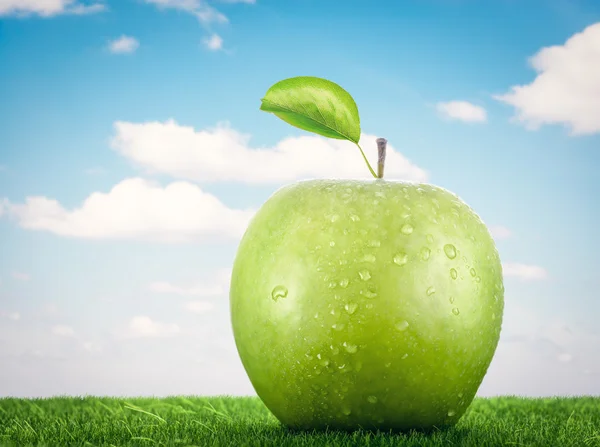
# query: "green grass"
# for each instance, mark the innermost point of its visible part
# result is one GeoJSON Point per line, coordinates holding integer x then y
{"type": "Point", "coordinates": [231, 421]}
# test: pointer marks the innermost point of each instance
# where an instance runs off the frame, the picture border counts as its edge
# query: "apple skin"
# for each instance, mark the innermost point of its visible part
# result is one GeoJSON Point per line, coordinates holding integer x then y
{"type": "Point", "coordinates": [366, 303]}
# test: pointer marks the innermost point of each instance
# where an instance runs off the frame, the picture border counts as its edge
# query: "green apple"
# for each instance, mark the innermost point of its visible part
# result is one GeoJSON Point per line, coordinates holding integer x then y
{"type": "Point", "coordinates": [366, 303]}
{"type": "Point", "coordinates": [374, 304]}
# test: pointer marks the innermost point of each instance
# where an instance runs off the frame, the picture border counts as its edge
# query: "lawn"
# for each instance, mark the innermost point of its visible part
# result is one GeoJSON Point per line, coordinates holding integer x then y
{"type": "Point", "coordinates": [234, 421]}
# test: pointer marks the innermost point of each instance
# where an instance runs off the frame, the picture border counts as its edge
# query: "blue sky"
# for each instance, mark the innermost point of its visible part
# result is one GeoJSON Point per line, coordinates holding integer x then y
{"type": "Point", "coordinates": [115, 116]}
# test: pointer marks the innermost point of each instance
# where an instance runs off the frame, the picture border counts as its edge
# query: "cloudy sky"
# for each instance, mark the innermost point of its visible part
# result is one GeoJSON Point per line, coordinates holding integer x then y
{"type": "Point", "coordinates": [133, 153]}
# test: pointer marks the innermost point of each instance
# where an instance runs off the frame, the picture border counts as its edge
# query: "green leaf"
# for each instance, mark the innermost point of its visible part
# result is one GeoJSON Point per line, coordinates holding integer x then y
{"type": "Point", "coordinates": [316, 105]}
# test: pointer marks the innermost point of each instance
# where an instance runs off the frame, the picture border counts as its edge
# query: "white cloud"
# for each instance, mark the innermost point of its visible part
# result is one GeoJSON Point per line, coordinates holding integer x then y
{"type": "Point", "coordinates": [205, 13]}
{"type": "Point", "coordinates": [524, 271]}
{"type": "Point", "coordinates": [500, 232]}
{"type": "Point", "coordinates": [565, 357]}
{"type": "Point", "coordinates": [218, 286]}
{"type": "Point", "coordinates": [165, 287]}
{"type": "Point", "coordinates": [214, 42]}
{"type": "Point", "coordinates": [552, 358]}
{"type": "Point", "coordinates": [199, 307]}
{"type": "Point", "coordinates": [143, 326]}
{"type": "Point", "coordinates": [462, 111]}
{"type": "Point", "coordinates": [48, 8]}
{"type": "Point", "coordinates": [14, 316]}
{"type": "Point", "coordinates": [136, 209]}
{"type": "Point", "coordinates": [63, 331]}
{"type": "Point", "coordinates": [567, 87]}
{"type": "Point", "coordinates": [168, 288]}
{"type": "Point", "coordinates": [223, 154]}
{"type": "Point", "coordinates": [20, 276]}
{"type": "Point", "coordinates": [124, 44]}
{"type": "Point", "coordinates": [92, 347]}
{"type": "Point", "coordinates": [208, 14]}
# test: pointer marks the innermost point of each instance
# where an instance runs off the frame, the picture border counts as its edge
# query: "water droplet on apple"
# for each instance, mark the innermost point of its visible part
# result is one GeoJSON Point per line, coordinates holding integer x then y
{"type": "Point", "coordinates": [453, 273]}
{"type": "Point", "coordinates": [374, 243]}
{"type": "Point", "coordinates": [332, 284]}
{"type": "Point", "coordinates": [334, 349]}
{"type": "Point", "coordinates": [455, 311]}
{"type": "Point", "coordinates": [473, 272]}
{"type": "Point", "coordinates": [429, 238]}
{"type": "Point", "coordinates": [344, 283]}
{"type": "Point", "coordinates": [332, 244]}
{"type": "Point", "coordinates": [451, 413]}
{"type": "Point", "coordinates": [351, 308]}
{"type": "Point", "coordinates": [350, 348]}
{"type": "Point", "coordinates": [347, 411]}
{"type": "Point", "coordinates": [369, 258]}
{"type": "Point", "coordinates": [338, 326]}
{"type": "Point", "coordinates": [450, 251]}
{"type": "Point", "coordinates": [369, 293]}
{"type": "Point", "coordinates": [451, 300]}
{"type": "Point", "coordinates": [477, 279]}
{"type": "Point", "coordinates": [406, 229]}
{"type": "Point", "coordinates": [404, 356]}
{"type": "Point", "coordinates": [425, 253]}
{"type": "Point", "coordinates": [430, 291]}
{"type": "Point", "coordinates": [401, 259]}
{"type": "Point", "coordinates": [354, 218]}
{"type": "Point", "coordinates": [369, 305]}
{"type": "Point", "coordinates": [279, 292]}
{"type": "Point", "coordinates": [365, 275]}
{"type": "Point", "coordinates": [325, 362]}
{"type": "Point", "coordinates": [460, 395]}
{"type": "Point", "coordinates": [334, 217]}
{"type": "Point", "coordinates": [372, 399]}
{"type": "Point", "coordinates": [388, 364]}
{"type": "Point", "coordinates": [402, 325]}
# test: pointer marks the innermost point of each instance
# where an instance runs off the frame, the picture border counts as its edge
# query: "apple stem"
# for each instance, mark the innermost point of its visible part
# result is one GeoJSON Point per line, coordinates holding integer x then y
{"type": "Point", "coordinates": [381, 147]}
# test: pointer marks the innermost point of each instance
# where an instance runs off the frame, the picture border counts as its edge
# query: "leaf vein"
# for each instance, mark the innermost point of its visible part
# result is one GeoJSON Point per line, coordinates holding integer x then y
{"type": "Point", "coordinates": [287, 109]}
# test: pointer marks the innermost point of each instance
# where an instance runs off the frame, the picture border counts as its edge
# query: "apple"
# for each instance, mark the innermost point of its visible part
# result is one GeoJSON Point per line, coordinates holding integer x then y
{"type": "Point", "coordinates": [366, 303]}
{"type": "Point", "coordinates": [373, 304]}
